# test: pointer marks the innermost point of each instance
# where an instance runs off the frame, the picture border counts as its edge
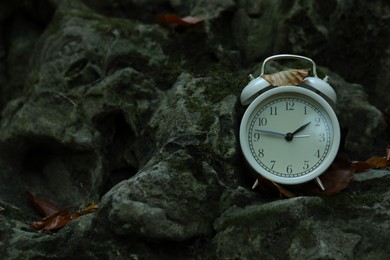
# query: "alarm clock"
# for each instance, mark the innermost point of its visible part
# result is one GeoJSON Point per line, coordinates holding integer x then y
{"type": "Point", "coordinates": [290, 133]}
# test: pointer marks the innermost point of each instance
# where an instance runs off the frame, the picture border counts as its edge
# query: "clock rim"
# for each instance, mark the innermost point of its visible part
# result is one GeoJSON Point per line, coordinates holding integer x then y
{"type": "Point", "coordinates": [327, 160]}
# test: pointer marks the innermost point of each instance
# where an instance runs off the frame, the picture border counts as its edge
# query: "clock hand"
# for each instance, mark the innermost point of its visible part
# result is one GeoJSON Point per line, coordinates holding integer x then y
{"type": "Point", "coordinates": [289, 136]}
{"type": "Point", "coordinates": [279, 134]}
{"type": "Point", "coordinates": [301, 136]}
{"type": "Point", "coordinates": [270, 133]}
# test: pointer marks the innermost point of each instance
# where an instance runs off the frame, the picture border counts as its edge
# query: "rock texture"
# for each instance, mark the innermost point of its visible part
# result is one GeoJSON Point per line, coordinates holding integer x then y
{"type": "Point", "coordinates": [100, 103]}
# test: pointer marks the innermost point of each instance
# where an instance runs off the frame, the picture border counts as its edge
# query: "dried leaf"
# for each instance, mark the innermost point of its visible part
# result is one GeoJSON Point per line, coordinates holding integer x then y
{"type": "Point", "coordinates": [361, 166]}
{"type": "Point", "coordinates": [90, 208]}
{"type": "Point", "coordinates": [1, 208]}
{"type": "Point", "coordinates": [286, 77]}
{"type": "Point", "coordinates": [373, 162]}
{"type": "Point", "coordinates": [44, 207]}
{"type": "Point", "coordinates": [273, 188]}
{"type": "Point", "coordinates": [174, 21]}
{"type": "Point", "coordinates": [58, 217]}
{"type": "Point", "coordinates": [283, 191]}
{"type": "Point", "coordinates": [53, 222]}
{"type": "Point", "coordinates": [377, 162]}
{"type": "Point", "coordinates": [335, 179]}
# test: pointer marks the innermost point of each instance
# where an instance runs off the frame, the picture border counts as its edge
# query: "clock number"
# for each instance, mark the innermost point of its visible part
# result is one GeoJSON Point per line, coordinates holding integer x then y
{"type": "Point", "coordinates": [261, 153]}
{"type": "Point", "coordinates": [306, 165]}
{"type": "Point", "coordinates": [256, 137]}
{"type": "Point", "coordinates": [322, 138]}
{"type": "Point", "coordinates": [274, 111]}
{"type": "Point", "coordinates": [272, 164]}
{"type": "Point", "coordinates": [263, 121]}
{"type": "Point", "coordinates": [289, 169]}
{"type": "Point", "coordinates": [290, 105]}
{"type": "Point", "coordinates": [305, 110]}
{"type": "Point", "coordinates": [317, 154]}
{"type": "Point", "coordinates": [318, 120]}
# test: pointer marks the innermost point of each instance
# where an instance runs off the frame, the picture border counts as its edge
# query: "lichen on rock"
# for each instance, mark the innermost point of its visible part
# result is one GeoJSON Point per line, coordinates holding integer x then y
{"type": "Point", "coordinates": [114, 108]}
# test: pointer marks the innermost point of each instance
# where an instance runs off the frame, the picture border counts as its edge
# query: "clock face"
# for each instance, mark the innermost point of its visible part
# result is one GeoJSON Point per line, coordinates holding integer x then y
{"type": "Point", "coordinates": [289, 135]}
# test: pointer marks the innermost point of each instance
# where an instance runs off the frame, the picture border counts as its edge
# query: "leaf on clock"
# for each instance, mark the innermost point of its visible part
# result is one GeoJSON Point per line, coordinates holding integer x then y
{"type": "Point", "coordinates": [291, 77]}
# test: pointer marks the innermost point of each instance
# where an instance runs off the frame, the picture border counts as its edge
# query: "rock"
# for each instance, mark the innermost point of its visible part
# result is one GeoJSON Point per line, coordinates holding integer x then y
{"type": "Point", "coordinates": [143, 120]}
{"type": "Point", "coordinates": [182, 172]}
{"type": "Point", "coordinates": [363, 124]}
{"type": "Point", "coordinates": [309, 227]}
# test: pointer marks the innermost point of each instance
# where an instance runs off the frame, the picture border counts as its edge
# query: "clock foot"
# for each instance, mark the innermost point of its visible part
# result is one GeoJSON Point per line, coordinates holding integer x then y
{"type": "Point", "coordinates": [319, 182]}
{"type": "Point", "coordinates": [255, 184]}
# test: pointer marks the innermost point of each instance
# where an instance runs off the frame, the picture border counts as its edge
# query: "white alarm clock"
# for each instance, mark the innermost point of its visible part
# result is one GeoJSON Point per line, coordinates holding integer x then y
{"type": "Point", "coordinates": [289, 134]}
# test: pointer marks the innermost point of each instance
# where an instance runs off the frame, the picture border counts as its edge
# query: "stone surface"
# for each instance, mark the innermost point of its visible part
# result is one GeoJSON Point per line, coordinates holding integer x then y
{"type": "Point", "coordinates": [114, 108]}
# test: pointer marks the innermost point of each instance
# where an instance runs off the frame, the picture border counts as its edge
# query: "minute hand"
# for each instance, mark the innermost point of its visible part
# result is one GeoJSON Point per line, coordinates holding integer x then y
{"type": "Point", "coordinates": [271, 133]}
{"type": "Point", "coordinates": [290, 136]}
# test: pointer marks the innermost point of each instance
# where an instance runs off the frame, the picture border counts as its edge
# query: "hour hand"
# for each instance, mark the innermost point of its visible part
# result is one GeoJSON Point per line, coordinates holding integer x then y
{"type": "Point", "coordinates": [289, 136]}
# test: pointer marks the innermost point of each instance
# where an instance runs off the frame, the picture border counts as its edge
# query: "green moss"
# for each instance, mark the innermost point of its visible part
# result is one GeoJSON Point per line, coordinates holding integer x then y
{"type": "Point", "coordinates": [205, 111]}
{"type": "Point", "coordinates": [126, 28]}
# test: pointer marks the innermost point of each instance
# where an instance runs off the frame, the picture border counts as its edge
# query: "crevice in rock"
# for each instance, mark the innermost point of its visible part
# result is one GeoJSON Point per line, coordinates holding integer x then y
{"type": "Point", "coordinates": [50, 170]}
{"type": "Point", "coordinates": [121, 161]}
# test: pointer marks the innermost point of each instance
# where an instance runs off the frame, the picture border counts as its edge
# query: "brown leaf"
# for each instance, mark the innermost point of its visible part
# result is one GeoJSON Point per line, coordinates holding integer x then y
{"type": "Point", "coordinates": [53, 222]}
{"type": "Point", "coordinates": [174, 21]}
{"type": "Point", "coordinates": [286, 78]}
{"type": "Point", "coordinates": [335, 179]}
{"type": "Point", "coordinates": [44, 207]}
{"type": "Point", "coordinates": [55, 218]}
{"type": "Point", "coordinates": [284, 191]}
{"type": "Point", "coordinates": [361, 166]}
{"type": "Point", "coordinates": [90, 208]}
{"type": "Point", "coordinates": [377, 162]}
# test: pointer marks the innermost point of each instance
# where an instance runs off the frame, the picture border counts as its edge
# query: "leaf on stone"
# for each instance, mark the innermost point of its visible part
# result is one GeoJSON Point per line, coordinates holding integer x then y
{"type": "Point", "coordinates": [335, 179]}
{"type": "Point", "coordinates": [376, 162]}
{"type": "Point", "coordinates": [55, 218]}
{"type": "Point", "coordinates": [272, 188]}
{"type": "Point", "coordinates": [361, 166]}
{"type": "Point", "coordinates": [283, 191]}
{"type": "Point", "coordinates": [91, 207]}
{"type": "Point", "coordinates": [174, 21]}
{"type": "Point", "coordinates": [53, 222]}
{"type": "Point", "coordinates": [44, 207]}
